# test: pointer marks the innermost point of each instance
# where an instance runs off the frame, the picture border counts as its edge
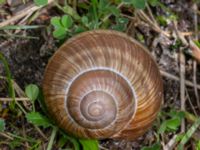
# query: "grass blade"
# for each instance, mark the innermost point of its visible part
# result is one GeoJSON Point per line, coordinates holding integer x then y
{"type": "Point", "coordinates": [11, 91]}
{"type": "Point", "coordinates": [188, 134]}
{"type": "Point", "coordinates": [25, 27]}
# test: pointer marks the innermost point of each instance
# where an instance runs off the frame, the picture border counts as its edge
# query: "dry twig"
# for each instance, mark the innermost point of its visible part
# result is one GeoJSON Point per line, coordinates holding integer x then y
{"type": "Point", "coordinates": [194, 62]}
{"type": "Point", "coordinates": [28, 10]}
{"type": "Point", "coordinates": [176, 78]}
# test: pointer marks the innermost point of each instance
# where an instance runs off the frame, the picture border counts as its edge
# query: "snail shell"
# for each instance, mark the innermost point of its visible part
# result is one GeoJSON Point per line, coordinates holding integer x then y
{"type": "Point", "coordinates": [103, 84]}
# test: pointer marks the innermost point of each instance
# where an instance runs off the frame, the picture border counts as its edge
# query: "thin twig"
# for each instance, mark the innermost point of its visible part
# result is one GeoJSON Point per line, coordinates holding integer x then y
{"type": "Point", "coordinates": [6, 136]}
{"type": "Point", "coordinates": [145, 17]}
{"type": "Point", "coordinates": [193, 47]}
{"type": "Point", "coordinates": [194, 61]}
{"type": "Point", "coordinates": [182, 86]}
{"type": "Point", "coordinates": [41, 133]}
{"type": "Point", "coordinates": [151, 14]}
{"type": "Point", "coordinates": [171, 144]}
{"type": "Point", "coordinates": [181, 73]}
{"type": "Point", "coordinates": [176, 78]}
{"type": "Point", "coordinates": [190, 102]}
{"type": "Point", "coordinates": [104, 148]}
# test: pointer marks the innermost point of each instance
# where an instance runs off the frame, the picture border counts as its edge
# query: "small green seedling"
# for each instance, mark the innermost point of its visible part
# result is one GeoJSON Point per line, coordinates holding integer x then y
{"type": "Point", "coordinates": [61, 25]}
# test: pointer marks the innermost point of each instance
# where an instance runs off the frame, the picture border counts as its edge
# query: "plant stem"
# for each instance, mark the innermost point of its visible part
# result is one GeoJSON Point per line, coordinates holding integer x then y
{"type": "Point", "coordinates": [53, 135]}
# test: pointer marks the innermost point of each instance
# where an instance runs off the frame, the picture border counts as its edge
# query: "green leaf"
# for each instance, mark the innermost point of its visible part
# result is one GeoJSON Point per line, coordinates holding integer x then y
{"type": "Point", "coordinates": [121, 24]}
{"type": "Point", "coordinates": [170, 124]}
{"type": "Point", "coordinates": [79, 29]}
{"type": "Point", "coordinates": [89, 144]}
{"type": "Point", "coordinates": [59, 33]}
{"type": "Point", "coordinates": [66, 21]}
{"type": "Point", "coordinates": [32, 91]}
{"type": "Point", "coordinates": [37, 119]}
{"type": "Point", "coordinates": [139, 4]}
{"type": "Point", "coordinates": [2, 125]}
{"type": "Point", "coordinates": [156, 146]}
{"type": "Point", "coordinates": [173, 123]}
{"type": "Point", "coordinates": [41, 2]}
{"type": "Point", "coordinates": [55, 21]}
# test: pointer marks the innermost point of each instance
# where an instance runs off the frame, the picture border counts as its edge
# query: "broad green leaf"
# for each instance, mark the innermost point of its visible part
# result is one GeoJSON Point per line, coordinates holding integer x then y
{"type": "Point", "coordinates": [139, 4]}
{"type": "Point", "coordinates": [41, 2]}
{"type": "Point", "coordinates": [170, 124]}
{"type": "Point", "coordinates": [59, 33]}
{"type": "Point", "coordinates": [66, 21]}
{"type": "Point", "coordinates": [32, 91]}
{"type": "Point", "coordinates": [37, 119]}
{"type": "Point", "coordinates": [173, 123]}
{"type": "Point", "coordinates": [55, 21]}
{"type": "Point", "coordinates": [156, 146]}
{"type": "Point", "coordinates": [2, 125]}
{"type": "Point", "coordinates": [89, 144]}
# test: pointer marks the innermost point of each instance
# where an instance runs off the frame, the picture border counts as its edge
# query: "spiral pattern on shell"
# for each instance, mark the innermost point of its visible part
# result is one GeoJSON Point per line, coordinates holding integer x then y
{"type": "Point", "coordinates": [103, 84]}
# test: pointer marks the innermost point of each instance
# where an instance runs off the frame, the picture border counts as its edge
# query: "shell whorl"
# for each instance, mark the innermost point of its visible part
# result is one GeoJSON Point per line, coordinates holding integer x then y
{"type": "Point", "coordinates": [103, 84]}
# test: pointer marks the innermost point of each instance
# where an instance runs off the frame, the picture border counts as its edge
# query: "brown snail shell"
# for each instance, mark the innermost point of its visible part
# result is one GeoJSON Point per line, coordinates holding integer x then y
{"type": "Point", "coordinates": [103, 84]}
